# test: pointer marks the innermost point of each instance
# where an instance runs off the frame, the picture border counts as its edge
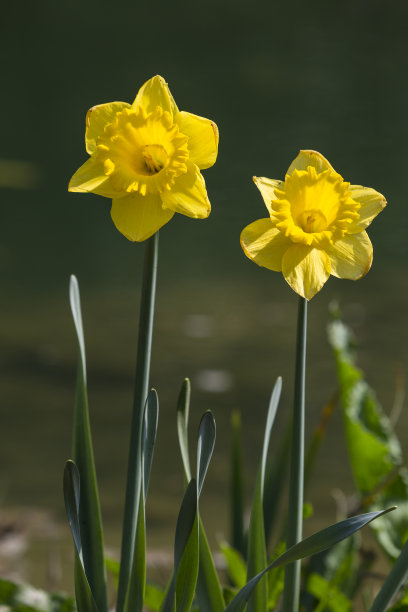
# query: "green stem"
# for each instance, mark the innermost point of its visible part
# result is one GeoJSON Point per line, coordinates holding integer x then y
{"type": "Point", "coordinates": [295, 515]}
{"type": "Point", "coordinates": [393, 583]}
{"type": "Point", "coordinates": [140, 394]}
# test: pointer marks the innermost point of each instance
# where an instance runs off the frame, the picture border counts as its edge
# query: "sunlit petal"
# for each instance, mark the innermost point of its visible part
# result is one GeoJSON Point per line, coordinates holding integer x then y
{"type": "Point", "coordinates": [97, 118]}
{"type": "Point", "coordinates": [306, 269]}
{"type": "Point", "coordinates": [188, 195]}
{"type": "Point", "coordinates": [90, 177]}
{"type": "Point", "coordinates": [267, 188]}
{"type": "Point", "coordinates": [138, 217]}
{"type": "Point", "coordinates": [155, 92]}
{"type": "Point", "coordinates": [351, 257]}
{"type": "Point", "coordinates": [371, 203]}
{"type": "Point", "coordinates": [146, 157]}
{"type": "Point", "coordinates": [310, 158]}
{"type": "Point", "coordinates": [202, 138]}
{"type": "Point", "coordinates": [264, 244]}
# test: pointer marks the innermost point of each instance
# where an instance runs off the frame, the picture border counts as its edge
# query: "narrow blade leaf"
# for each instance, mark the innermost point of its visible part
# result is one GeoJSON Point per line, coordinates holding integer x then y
{"type": "Point", "coordinates": [137, 579]}
{"type": "Point", "coordinates": [270, 419]}
{"type": "Point", "coordinates": [205, 447]}
{"type": "Point", "coordinates": [208, 590]}
{"type": "Point", "coordinates": [71, 484]}
{"type": "Point", "coordinates": [90, 520]}
{"type": "Point", "coordinates": [394, 581]}
{"type": "Point", "coordinates": [183, 412]}
{"type": "Point", "coordinates": [151, 419]}
{"type": "Point", "coordinates": [310, 546]}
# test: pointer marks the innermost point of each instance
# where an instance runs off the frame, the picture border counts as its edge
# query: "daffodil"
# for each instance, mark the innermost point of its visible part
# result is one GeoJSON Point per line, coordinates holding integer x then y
{"type": "Point", "coordinates": [147, 158]}
{"type": "Point", "coordinates": [316, 225]}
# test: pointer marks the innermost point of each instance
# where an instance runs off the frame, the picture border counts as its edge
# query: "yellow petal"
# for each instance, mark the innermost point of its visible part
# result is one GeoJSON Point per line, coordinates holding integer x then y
{"type": "Point", "coordinates": [188, 195]}
{"type": "Point", "coordinates": [310, 158]}
{"type": "Point", "coordinates": [155, 92]}
{"type": "Point", "coordinates": [352, 256]}
{"type": "Point", "coordinates": [202, 138]}
{"type": "Point", "coordinates": [306, 269]}
{"type": "Point", "coordinates": [264, 244]}
{"type": "Point", "coordinates": [138, 217]}
{"type": "Point", "coordinates": [267, 188]}
{"type": "Point", "coordinates": [90, 177]}
{"type": "Point", "coordinates": [371, 202]}
{"type": "Point", "coordinates": [97, 118]}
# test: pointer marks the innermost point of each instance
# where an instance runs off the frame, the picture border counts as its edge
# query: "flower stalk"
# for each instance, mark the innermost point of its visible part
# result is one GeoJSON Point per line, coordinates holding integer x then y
{"type": "Point", "coordinates": [140, 395]}
{"type": "Point", "coordinates": [296, 483]}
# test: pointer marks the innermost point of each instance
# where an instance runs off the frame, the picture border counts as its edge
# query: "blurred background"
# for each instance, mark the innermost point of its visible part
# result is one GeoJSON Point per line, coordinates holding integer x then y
{"type": "Point", "coordinates": [276, 77]}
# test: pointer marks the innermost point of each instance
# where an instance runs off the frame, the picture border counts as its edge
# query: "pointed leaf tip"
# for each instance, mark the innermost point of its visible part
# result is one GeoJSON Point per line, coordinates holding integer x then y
{"type": "Point", "coordinates": [205, 446]}
{"type": "Point", "coordinates": [75, 303]}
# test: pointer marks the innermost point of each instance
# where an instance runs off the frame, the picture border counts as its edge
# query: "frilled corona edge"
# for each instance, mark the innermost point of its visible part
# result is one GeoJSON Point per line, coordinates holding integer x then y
{"type": "Point", "coordinates": [316, 225]}
{"type": "Point", "coordinates": [147, 158]}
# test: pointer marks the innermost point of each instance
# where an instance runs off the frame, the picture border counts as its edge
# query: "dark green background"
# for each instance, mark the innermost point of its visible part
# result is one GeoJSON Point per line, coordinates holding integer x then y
{"type": "Point", "coordinates": [275, 77]}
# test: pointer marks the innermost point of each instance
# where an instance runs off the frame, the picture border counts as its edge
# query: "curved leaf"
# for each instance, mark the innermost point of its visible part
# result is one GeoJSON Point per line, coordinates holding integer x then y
{"type": "Point", "coordinates": [205, 447]}
{"type": "Point", "coordinates": [310, 546]}
{"type": "Point", "coordinates": [256, 557]}
{"type": "Point", "coordinates": [137, 578]}
{"type": "Point", "coordinates": [186, 549]}
{"type": "Point", "coordinates": [71, 485]}
{"type": "Point", "coordinates": [209, 593]}
{"type": "Point", "coordinates": [183, 412]}
{"type": "Point", "coordinates": [75, 303]}
{"type": "Point", "coordinates": [208, 590]}
{"type": "Point", "coordinates": [374, 450]}
{"type": "Point", "coordinates": [150, 423]}
{"type": "Point", "coordinates": [90, 519]}
{"type": "Point", "coordinates": [394, 581]}
{"type": "Point", "coordinates": [270, 419]}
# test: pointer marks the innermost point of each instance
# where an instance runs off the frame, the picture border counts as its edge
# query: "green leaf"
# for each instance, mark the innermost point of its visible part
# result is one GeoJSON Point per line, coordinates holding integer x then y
{"type": "Point", "coordinates": [208, 589]}
{"type": "Point", "coordinates": [84, 598]}
{"type": "Point", "coordinates": [183, 412]}
{"type": "Point", "coordinates": [310, 546]}
{"type": "Point", "coordinates": [169, 599]}
{"type": "Point", "coordinates": [186, 549]}
{"type": "Point", "coordinates": [374, 450]}
{"type": "Point", "coordinates": [393, 583]}
{"type": "Point", "coordinates": [153, 597]}
{"type": "Point", "coordinates": [256, 557]}
{"type": "Point", "coordinates": [401, 605]}
{"type": "Point", "coordinates": [151, 418]}
{"type": "Point", "coordinates": [237, 486]}
{"type": "Point", "coordinates": [276, 580]}
{"type": "Point", "coordinates": [236, 566]}
{"type": "Point", "coordinates": [25, 598]}
{"type": "Point", "coordinates": [329, 597]}
{"type": "Point", "coordinates": [270, 419]}
{"type": "Point", "coordinates": [181, 588]}
{"type": "Point", "coordinates": [205, 447]}
{"type": "Point", "coordinates": [112, 567]}
{"type": "Point", "coordinates": [141, 388]}
{"type": "Point", "coordinates": [276, 478]}
{"type": "Point", "coordinates": [90, 520]}
{"type": "Point", "coordinates": [137, 578]}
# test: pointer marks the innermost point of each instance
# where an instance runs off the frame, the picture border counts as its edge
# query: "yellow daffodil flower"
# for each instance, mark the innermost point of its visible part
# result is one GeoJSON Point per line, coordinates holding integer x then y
{"type": "Point", "coordinates": [147, 157]}
{"type": "Point", "coordinates": [316, 225]}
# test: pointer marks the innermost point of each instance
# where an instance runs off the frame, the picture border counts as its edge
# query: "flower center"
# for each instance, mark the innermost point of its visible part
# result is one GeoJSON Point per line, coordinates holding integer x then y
{"type": "Point", "coordinates": [143, 152]}
{"type": "Point", "coordinates": [313, 208]}
{"type": "Point", "coordinates": [155, 158]}
{"type": "Point", "coordinates": [312, 221]}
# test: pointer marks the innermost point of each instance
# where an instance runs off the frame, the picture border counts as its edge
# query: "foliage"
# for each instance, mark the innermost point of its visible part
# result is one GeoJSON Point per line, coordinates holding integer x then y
{"type": "Point", "coordinates": [24, 598]}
